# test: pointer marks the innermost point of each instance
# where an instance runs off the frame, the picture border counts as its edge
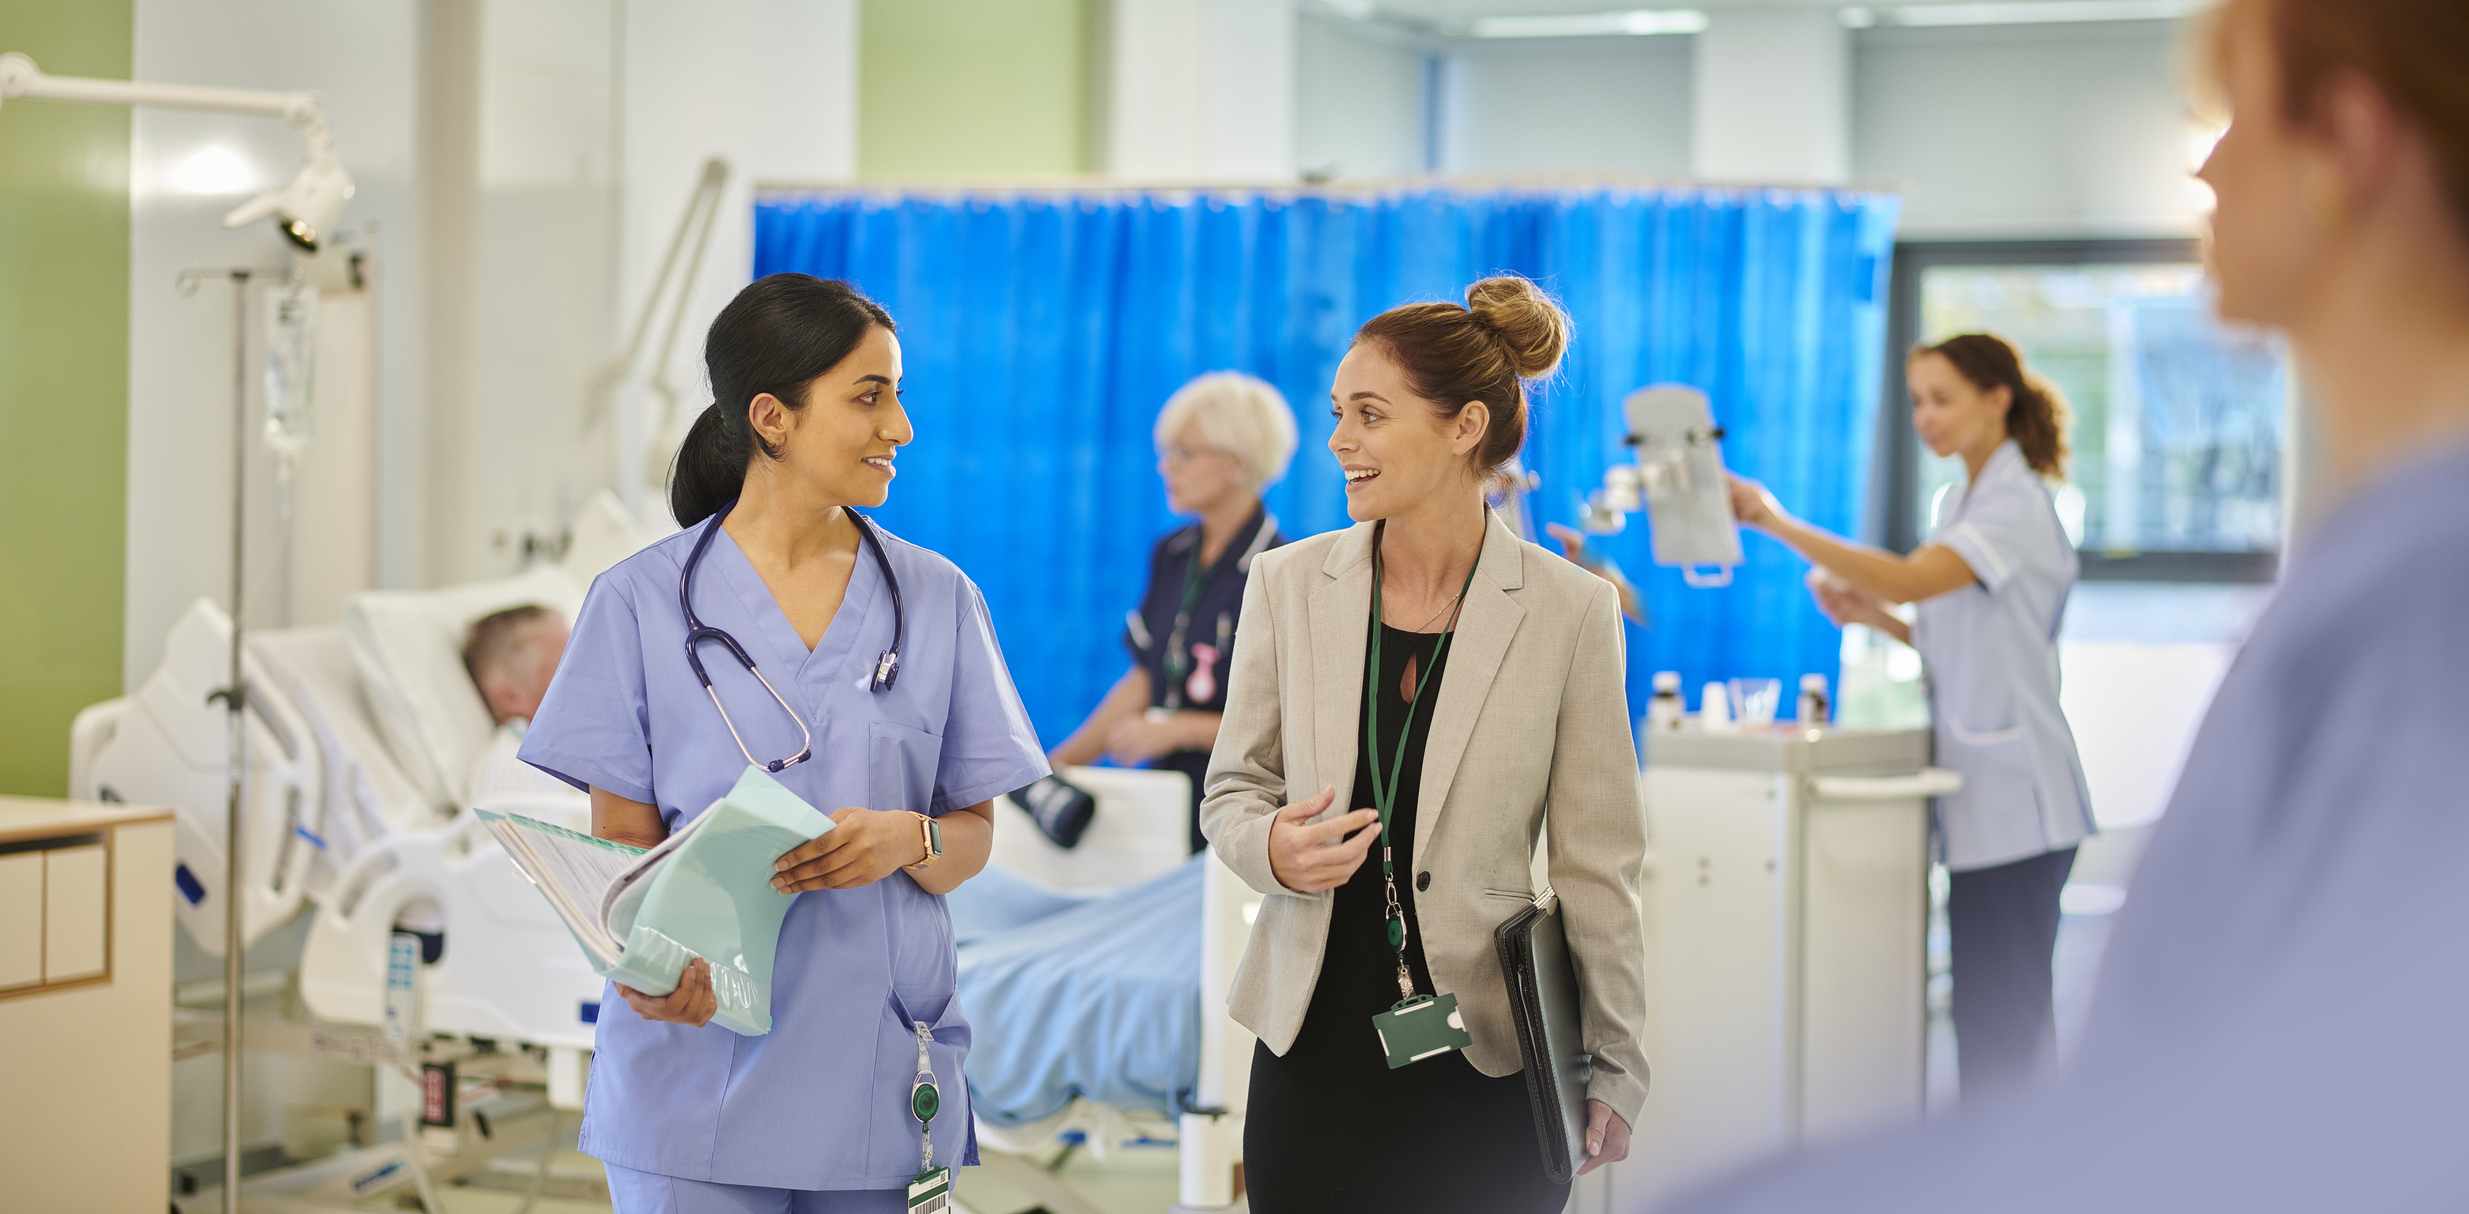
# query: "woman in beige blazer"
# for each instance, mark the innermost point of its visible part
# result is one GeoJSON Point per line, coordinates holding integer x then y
{"type": "Point", "coordinates": [1427, 659]}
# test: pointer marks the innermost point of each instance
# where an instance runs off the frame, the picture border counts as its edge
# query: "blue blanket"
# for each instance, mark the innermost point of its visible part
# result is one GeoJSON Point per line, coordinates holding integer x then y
{"type": "Point", "coordinates": [1084, 997]}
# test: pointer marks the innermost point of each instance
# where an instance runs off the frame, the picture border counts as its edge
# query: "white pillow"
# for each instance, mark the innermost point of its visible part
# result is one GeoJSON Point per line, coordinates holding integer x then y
{"type": "Point", "coordinates": [602, 535]}
{"type": "Point", "coordinates": [409, 647]}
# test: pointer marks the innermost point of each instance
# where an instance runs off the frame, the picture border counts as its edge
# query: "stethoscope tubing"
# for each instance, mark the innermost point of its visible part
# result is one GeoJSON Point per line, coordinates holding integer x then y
{"type": "Point", "coordinates": [886, 669]}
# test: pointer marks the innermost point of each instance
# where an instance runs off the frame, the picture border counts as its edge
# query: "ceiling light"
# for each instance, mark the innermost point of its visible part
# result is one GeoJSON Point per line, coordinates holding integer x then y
{"type": "Point", "coordinates": [1589, 25]}
{"type": "Point", "coordinates": [2049, 12]}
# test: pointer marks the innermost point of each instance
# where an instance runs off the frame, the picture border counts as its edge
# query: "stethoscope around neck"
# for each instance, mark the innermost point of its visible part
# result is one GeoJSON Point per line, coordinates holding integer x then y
{"type": "Point", "coordinates": [886, 666]}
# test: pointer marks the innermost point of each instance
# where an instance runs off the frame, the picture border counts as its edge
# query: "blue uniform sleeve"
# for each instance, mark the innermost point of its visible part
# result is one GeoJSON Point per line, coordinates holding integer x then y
{"type": "Point", "coordinates": [2004, 532]}
{"type": "Point", "coordinates": [594, 727]}
{"type": "Point", "coordinates": [989, 747]}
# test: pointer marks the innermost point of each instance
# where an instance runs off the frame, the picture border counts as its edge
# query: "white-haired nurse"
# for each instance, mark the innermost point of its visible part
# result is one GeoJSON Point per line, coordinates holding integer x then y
{"type": "Point", "coordinates": [1221, 440]}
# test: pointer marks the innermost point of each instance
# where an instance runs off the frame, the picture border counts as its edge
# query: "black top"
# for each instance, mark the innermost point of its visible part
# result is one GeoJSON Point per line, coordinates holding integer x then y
{"type": "Point", "coordinates": [1358, 975]}
{"type": "Point", "coordinates": [1331, 1129]}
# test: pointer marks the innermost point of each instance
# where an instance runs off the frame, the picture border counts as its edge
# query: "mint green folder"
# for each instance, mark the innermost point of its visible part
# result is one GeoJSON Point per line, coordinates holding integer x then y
{"type": "Point", "coordinates": [640, 915]}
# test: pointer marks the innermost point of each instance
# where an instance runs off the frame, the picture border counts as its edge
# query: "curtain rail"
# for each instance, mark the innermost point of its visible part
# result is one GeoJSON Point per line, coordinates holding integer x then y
{"type": "Point", "coordinates": [1104, 184]}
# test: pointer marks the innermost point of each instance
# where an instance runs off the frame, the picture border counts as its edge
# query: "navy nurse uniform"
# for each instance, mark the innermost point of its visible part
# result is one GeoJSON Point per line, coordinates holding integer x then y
{"type": "Point", "coordinates": [822, 1101]}
{"type": "Point", "coordinates": [1183, 634]}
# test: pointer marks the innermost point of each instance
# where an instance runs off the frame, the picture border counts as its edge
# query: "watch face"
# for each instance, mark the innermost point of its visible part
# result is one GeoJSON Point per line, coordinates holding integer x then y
{"type": "Point", "coordinates": [934, 837]}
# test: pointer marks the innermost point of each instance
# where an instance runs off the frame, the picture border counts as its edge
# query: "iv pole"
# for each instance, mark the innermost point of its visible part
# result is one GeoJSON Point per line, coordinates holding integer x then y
{"type": "Point", "coordinates": [305, 212]}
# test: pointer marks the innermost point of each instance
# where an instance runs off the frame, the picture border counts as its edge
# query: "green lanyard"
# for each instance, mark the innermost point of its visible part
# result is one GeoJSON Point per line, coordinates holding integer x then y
{"type": "Point", "coordinates": [1178, 660]}
{"type": "Point", "coordinates": [1384, 792]}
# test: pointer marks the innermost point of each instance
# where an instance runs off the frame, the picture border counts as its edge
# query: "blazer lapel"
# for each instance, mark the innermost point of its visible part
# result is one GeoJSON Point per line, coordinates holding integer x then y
{"type": "Point", "coordinates": [1485, 626]}
{"type": "Point", "coordinates": [1341, 614]}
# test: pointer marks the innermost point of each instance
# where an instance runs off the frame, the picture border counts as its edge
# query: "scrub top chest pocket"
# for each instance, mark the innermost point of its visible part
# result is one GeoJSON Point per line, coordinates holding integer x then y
{"type": "Point", "coordinates": [900, 767]}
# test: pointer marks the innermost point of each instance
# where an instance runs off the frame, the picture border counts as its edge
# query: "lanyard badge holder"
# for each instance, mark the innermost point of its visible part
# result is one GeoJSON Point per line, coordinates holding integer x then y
{"type": "Point", "coordinates": [1417, 1026]}
{"type": "Point", "coordinates": [930, 1192]}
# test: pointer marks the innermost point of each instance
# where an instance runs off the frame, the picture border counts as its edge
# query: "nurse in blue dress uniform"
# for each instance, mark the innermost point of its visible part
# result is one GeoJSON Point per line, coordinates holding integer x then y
{"type": "Point", "coordinates": [1992, 588]}
{"type": "Point", "coordinates": [815, 1115]}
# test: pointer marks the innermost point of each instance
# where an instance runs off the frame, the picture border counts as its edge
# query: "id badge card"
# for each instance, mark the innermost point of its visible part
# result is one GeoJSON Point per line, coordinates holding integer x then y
{"type": "Point", "coordinates": [1419, 1028]}
{"type": "Point", "coordinates": [931, 1192]}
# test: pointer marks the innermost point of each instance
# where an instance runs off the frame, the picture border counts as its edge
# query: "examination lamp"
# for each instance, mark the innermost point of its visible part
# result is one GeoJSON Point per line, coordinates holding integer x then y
{"type": "Point", "coordinates": [305, 211]}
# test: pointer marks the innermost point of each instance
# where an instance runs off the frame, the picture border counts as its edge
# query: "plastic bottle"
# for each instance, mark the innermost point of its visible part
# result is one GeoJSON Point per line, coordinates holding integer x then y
{"type": "Point", "coordinates": [1815, 710]}
{"type": "Point", "coordinates": [1714, 713]}
{"type": "Point", "coordinates": [1665, 709]}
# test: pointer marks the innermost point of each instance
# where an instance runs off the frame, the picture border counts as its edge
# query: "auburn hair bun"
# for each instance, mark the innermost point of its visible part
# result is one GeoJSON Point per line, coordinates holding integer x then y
{"type": "Point", "coordinates": [1533, 331]}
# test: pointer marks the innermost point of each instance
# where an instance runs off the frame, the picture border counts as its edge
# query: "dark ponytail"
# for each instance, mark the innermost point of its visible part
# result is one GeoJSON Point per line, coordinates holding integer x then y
{"type": "Point", "coordinates": [777, 336]}
{"type": "Point", "coordinates": [2037, 417]}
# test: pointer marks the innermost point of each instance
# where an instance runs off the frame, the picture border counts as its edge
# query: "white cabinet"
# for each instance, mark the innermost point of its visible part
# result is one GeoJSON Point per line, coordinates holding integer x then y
{"type": "Point", "coordinates": [1787, 920]}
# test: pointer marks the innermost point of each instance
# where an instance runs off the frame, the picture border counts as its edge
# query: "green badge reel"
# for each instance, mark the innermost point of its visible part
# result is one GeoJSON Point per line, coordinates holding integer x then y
{"type": "Point", "coordinates": [1417, 1026]}
{"type": "Point", "coordinates": [930, 1191]}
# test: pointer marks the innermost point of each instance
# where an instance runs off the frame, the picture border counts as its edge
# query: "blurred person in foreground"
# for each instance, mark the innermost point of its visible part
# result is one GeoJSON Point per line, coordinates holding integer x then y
{"type": "Point", "coordinates": [2277, 1024]}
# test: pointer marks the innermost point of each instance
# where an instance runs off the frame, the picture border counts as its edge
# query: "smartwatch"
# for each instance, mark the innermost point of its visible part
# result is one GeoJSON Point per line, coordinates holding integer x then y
{"type": "Point", "coordinates": [932, 831]}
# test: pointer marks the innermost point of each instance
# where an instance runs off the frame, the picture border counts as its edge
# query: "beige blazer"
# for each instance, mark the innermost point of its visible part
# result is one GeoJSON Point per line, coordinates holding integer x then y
{"type": "Point", "coordinates": [1531, 725]}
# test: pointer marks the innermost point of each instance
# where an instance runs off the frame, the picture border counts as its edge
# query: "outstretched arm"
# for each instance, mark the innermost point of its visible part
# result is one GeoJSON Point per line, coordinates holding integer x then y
{"type": "Point", "coordinates": [1927, 573]}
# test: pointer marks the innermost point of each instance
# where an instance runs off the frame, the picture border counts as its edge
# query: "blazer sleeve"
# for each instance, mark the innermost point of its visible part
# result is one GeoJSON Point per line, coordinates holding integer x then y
{"type": "Point", "coordinates": [1246, 783]}
{"type": "Point", "coordinates": [1597, 832]}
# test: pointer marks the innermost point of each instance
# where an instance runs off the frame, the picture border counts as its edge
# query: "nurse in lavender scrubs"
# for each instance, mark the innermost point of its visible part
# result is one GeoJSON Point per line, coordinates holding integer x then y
{"type": "Point", "coordinates": [815, 1116]}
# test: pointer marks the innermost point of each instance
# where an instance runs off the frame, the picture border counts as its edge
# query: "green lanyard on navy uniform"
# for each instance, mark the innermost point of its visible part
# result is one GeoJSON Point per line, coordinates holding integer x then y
{"type": "Point", "coordinates": [930, 1190]}
{"type": "Point", "coordinates": [1384, 792]}
{"type": "Point", "coordinates": [1196, 577]}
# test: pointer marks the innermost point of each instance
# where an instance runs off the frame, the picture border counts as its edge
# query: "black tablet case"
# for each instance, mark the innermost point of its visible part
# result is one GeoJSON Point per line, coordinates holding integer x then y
{"type": "Point", "coordinates": [1543, 1000]}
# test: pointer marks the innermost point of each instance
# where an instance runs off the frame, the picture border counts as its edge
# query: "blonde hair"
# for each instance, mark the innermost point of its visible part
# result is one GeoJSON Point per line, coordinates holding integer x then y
{"type": "Point", "coordinates": [1239, 415]}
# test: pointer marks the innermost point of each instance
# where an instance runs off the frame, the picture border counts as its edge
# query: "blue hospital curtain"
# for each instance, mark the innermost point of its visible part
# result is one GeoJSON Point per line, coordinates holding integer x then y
{"type": "Point", "coordinates": [1042, 332]}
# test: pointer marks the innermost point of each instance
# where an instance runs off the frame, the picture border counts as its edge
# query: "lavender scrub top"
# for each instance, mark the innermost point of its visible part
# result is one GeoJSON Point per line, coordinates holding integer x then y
{"type": "Point", "coordinates": [822, 1101]}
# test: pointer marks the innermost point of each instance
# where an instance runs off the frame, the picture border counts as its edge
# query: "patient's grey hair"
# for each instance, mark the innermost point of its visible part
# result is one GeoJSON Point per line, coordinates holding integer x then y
{"type": "Point", "coordinates": [493, 638]}
{"type": "Point", "coordinates": [1239, 415]}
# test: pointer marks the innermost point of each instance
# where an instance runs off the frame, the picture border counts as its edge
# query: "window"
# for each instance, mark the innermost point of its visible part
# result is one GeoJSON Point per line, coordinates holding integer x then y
{"type": "Point", "coordinates": [2180, 420]}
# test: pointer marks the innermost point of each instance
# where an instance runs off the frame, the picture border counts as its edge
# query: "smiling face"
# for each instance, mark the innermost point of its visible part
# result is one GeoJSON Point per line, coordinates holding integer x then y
{"type": "Point", "coordinates": [840, 446]}
{"type": "Point", "coordinates": [1949, 413]}
{"type": "Point", "coordinates": [1199, 477]}
{"type": "Point", "coordinates": [1395, 450]}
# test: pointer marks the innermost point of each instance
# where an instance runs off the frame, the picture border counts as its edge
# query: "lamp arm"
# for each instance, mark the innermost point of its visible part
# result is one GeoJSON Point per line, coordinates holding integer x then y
{"type": "Point", "coordinates": [19, 77]}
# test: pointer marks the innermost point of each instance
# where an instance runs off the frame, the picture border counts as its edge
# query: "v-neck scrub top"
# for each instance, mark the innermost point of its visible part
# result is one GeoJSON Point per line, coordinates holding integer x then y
{"type": "Point", "coordinates": [1991, 653]}
{"type": "Point", "coordinates": [822, 1101]}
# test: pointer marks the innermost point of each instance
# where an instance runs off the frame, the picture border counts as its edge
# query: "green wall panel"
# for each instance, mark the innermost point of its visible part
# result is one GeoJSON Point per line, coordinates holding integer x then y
{"type": "Point", "coordinates": [972, 87]}
{"type": "Point", "coordinates": [64, 359]}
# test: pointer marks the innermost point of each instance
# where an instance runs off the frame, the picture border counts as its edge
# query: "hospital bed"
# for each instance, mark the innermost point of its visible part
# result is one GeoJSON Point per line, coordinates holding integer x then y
{"type": "Point", "coordinates": [1100, 1017]}
{"type": "Point", "coordinates": [361, 741]}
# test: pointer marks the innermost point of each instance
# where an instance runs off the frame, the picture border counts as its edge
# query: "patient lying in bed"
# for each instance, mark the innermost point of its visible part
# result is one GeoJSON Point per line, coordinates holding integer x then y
{"type": "Point", "coordinates": [511, 655]}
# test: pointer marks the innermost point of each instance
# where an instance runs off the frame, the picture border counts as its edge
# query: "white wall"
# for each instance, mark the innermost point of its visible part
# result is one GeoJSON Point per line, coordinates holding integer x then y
{"type": "Point", "coordinates": [1771, 96]}
{"type": "Point", "coordinates": [1997, 131]}
{"type": "Point", "coordinates": [2052, 130]}
{"type": "Point", "coordinates": [1201, 89]}
{"type": "Point", "coordinates": [509, 460]}
{"type": "Point", "coordinates": [768, 85]}
{"type": "Point", "coordinates": [524, 163]}
{"type": "Point", "coordinates": [1556, 105]}
{"type": "Point", "coordinates": [1358, 100]}
{"type": "Point", "coordinates": [179, 492]}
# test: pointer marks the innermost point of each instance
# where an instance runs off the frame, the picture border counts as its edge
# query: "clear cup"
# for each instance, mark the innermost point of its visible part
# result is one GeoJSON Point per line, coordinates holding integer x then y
{"type": "Point", "coordinates": [1754, 701]}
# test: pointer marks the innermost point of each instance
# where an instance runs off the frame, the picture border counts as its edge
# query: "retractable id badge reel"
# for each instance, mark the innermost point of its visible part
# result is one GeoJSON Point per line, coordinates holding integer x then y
{"type": "Point", "coordinates": [1677, 480]}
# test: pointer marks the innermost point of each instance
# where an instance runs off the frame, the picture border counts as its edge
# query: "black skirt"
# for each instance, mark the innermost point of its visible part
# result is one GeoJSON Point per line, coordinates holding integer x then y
{"type": "Point", "coordinates": [1329, 1125]}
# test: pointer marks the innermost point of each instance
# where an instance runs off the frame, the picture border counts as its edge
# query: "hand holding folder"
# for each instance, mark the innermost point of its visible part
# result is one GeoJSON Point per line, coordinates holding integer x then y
{"type": "Point", "coordinates": [642, 915]}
